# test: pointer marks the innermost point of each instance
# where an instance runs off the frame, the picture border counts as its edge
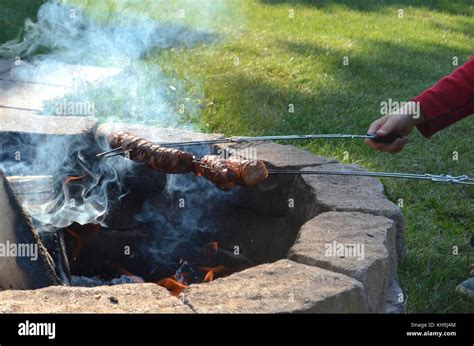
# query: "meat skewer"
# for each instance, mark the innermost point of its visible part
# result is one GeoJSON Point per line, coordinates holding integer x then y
{"type": "Point", "coordinates": [158, 158]}
{"type": "Point", "coordinates": [387, 139]}
{"type": "Point", "coordinates": [229, 173]}
{"type": "Point", "coordinates": [226, 174]}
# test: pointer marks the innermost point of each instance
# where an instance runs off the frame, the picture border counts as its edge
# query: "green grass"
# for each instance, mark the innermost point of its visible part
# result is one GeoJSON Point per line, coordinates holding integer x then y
{"type": "Point", "coordinates": [299, 61]}
{"type": "Point", "coordinates": [13, 14]}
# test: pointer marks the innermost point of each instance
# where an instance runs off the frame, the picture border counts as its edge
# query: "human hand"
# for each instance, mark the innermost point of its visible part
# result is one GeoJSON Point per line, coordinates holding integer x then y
{"type": "Point", "coordinates": [401, 123]}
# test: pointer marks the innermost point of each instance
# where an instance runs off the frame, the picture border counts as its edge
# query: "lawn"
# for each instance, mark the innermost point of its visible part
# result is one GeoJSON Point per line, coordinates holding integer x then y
{"type": "Point", "coordinates": [273, 54]}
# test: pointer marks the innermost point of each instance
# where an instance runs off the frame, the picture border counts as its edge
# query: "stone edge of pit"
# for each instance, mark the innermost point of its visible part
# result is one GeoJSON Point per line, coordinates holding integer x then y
{"type": "Point", "coordinates": [309, 161]}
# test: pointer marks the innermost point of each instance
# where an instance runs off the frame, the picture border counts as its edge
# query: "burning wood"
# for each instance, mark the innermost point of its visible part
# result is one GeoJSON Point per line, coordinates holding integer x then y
{"type": "Point", "coordinates": [226, 174]}
{"type": "Point", "coordinates": [161, 159]}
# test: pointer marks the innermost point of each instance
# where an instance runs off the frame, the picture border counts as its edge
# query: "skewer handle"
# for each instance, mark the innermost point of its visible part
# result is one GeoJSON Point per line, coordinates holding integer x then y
{"type": "Point", "coordinates": [392, 137]}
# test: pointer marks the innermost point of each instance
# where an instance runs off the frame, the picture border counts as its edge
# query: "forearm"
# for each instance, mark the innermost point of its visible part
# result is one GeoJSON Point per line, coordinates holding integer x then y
{"type": "Point", "coordinates": [448, 101]}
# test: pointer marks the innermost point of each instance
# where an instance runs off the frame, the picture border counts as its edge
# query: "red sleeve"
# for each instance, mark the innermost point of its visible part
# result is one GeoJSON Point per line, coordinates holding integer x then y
{"type": "Point", "coordinates": [449, 100]}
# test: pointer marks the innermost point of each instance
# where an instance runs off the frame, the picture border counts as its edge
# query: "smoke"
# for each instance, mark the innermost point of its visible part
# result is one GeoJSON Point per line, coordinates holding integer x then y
{"type": "Point", "coordinates": [181, 219]}
{"type": "Point", "coordinates": [124, 35]}
{"type": "Point", "coordinates": [121, 39]}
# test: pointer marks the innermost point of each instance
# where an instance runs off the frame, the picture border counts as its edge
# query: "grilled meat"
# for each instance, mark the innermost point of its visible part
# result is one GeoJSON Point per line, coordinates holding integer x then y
{"type": "Point", "coordinates": [161, 159]}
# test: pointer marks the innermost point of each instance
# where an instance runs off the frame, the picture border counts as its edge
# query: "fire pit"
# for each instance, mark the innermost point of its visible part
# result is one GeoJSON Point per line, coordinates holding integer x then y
{"type": "Point", "coordinates": [176, 243]}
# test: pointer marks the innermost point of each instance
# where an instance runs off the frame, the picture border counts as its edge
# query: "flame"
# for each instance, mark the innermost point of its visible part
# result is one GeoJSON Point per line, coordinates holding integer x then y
{"type": "Point", "coordinates": [176, 284]}
{"type": "Point", "coordinates": [209, 276]}
{"type": "Point", "coordinates": [217, 270]}
{"type": "Point", "coordinates": [221, 270]}
{"type": "Point", "coordinates": [68, 180]}
{"type": "Point", "coordinates": [71, 178]}
{"type": "Point", "coordinates": [173, 286]}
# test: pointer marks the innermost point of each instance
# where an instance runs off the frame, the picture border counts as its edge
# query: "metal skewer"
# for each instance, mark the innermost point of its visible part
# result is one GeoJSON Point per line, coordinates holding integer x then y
{"type": "Point", "coordinates": [105, 153]}
{"type": "Point", "coordinates": [114, 152]}
{"type": "Point", "coordinates": [388, 139]}
{"type": "Point", "coordinates": [442, 178]}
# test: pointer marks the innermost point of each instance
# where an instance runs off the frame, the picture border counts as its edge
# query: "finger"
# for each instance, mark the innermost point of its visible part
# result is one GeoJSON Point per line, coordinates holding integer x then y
{"type": "Point", "coordinates": [387, 127]}
{"type": "Point", "coordinates": [373, 128]}
{"type": "Point", "coordinates": [396, 146]}
{"type": "Point", "coordinates": [375, 145]}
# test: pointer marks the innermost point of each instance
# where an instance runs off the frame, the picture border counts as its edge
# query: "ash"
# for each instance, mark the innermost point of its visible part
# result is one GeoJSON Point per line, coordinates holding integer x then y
{"type": "Point", "coordinates": [85, 281]}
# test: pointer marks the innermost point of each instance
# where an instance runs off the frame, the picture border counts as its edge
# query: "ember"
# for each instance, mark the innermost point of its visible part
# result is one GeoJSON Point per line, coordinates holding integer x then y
{"type": "Point", "coordinates": [181, 279]}
{"type": "Point", "coordinates": [172, 285]}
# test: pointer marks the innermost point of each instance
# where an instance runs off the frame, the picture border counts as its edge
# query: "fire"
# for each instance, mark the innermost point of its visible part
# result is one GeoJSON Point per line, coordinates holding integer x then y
{"type": "Point", "coordinates": [173, 286]}
{"type": "Point", "coordinates": [72, 178]}
{"type": "Point", "coordinates": [217, 270]}
{"type": "Point", "coordinates": [68, 180]}
{"type": "Point", "coordinates": [220, 270]}
{"type": "Point", "coordinates": [209, 276]}
{"type": "Point", "coordinates": [181, 279]}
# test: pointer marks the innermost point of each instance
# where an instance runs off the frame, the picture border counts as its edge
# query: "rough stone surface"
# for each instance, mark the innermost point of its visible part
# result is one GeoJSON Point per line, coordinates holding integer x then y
{"type": "Point", "coordinates": [34, 190]}
{"type": "Point", "coordinates": [283, 286]}
{"type": "Point", "coordinates": [24, 92]}
{"type": "Point", "coordinates": [278, 155]}
{"type": "Point", "coordinates": [374, 265]}
{"type": "Point", "coordinates": [344, 209]}
{"type": "Point", "coordinates": [272, 196]}
{"type": "Point", "coordinates": [127, 298]}
{"type": "Point", "coordinates": [11, 112]}
{"type": "Point", "coordinates": [27, 122]}
{"type": "Point", "coordinates": [352, 193]}
{"type": "Point", "coordinates": [30, 96]}
{"type": "Point", "coordinates": [263, 238]}
{"type": "Point", "coordinates": [393, 305]}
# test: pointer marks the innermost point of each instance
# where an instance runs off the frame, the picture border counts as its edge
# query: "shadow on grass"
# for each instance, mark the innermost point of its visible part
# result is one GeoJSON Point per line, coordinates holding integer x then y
{"type": "Point", "coordinates": [382, 70]}
{"type": "Point", "coordinates": [383, 59]}
{"type": "Point", "coordinates": [13, 14]}
{"type": "Point", "coordinates": [461, 7]}
{"type": "Point", "coordinates": [462, 27]}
